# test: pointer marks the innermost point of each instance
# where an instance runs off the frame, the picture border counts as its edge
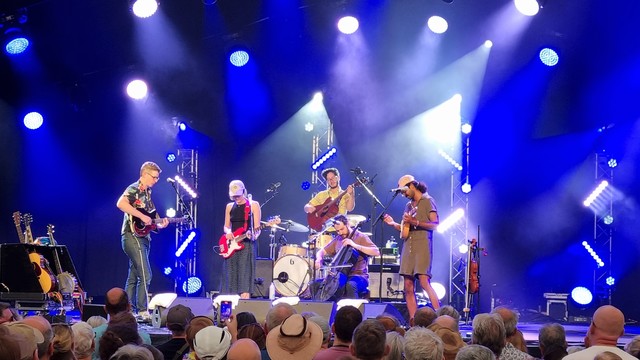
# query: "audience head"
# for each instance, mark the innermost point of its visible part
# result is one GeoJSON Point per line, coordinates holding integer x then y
{"type": "Point", "coordinates": [488, 330]}
{"type": "Point", "coordinates": [6, 315]}
{"type": "Point", "coordinates": [346, 320]}
{"type": "Point", "coordinates": [449, 310]}
{"type": "Point", "coordinates": [96, 321]}
{"type": "Point", "coordinates": [196, 324]}
{"type": "Point", "coordinates": [83, 340]}
{"type": "Point", "coordinates": [295, 339]}
{"type": "Point", "coordinates": [633, 347]}
{"type": "Point", "coordinates": [451, 339]}
{"type": "Point", "coordinates": [26, 337]}
{"type": "Point", "coordinates": [448, 322]}
{"type": "Point", "coordinates": [395, 342]}
{"type": "Point", "coordinates": [116, 336]}
{"type": "Point", "coordinates": [132, 352]}
{"type": "Point", "coordinates": [422, 344]}
{"type": "Point", "coordinates": [424, 317]}
{"type": "Point", "coordinates": [157, 354]}
{"type": "Point", "coordinates": [45, 348]}
{"type": "Point", "coordinates": [324, 326]}
{"type": "Point", "coordinates": [369, 340]}
{"type": "Point", "coordinates": [244, 349]}
{"type": "Point", "coordinates": [509, 318]}
{"type": "Point", "coordinates": [117, 301]}
{"type": "Point", "coordinates": [62, 342]}
{"type": "Point", "coordinates": [178, 318]}
{"type": "Point", "coordinates": [254, 332]}
{"type": "Point", "coordinates": [244, 318]}
{"type": "Point", "coordinates": [277, 314]}
{"type": "Point", "coordinates": [9, 345]}
{"type": "Point", "coordinates": [390, 323]}
{"type": "Point", "coordinates": [551, 337]}
{"type": "Point", "coordinates": [607, 325]}
{"type": "Point", "coordinates": [212, 343]}
{"type": "Point", "coordinates": [475, 352]}
{"type": "Point", "coordinates": [607, 355]}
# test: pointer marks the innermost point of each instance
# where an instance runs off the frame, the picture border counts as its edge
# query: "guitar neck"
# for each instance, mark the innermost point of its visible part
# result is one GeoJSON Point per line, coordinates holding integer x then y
{"type": "Point", "coordinates": [28, 234]}
{"type": "Point", "coordinates": [171, 220]}
{"type": "Point", "coordinates": [16, 220]}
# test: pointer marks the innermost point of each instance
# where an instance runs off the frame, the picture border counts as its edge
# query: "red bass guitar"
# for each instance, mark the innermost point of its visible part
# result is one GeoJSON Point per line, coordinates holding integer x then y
{"type": "Point", "coordinates": [229, 246]}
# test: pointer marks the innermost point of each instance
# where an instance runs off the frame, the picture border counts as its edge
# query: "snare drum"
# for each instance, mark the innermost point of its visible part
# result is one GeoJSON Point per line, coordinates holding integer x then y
{"type": "Point", "coordinates": [291, 275]}
{"type": "Point", "coordinates": [323, 240]}
{"type": "Point", "coordinates": [292, 250]}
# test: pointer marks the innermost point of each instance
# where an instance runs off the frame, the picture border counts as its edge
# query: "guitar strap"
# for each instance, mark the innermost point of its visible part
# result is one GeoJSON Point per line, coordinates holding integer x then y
{"type": "Point", "coordinates": [247, 214]}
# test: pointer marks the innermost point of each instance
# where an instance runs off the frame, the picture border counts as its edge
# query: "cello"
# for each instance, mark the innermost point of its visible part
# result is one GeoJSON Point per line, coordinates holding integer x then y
{"type": "Point", "coordinates": [339, 268]}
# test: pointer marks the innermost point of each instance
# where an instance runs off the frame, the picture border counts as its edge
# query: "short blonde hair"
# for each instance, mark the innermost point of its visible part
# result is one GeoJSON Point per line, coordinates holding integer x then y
{"type": "Point", "coordinates": [83, 338]}
{"type": "Point", "coordinates": [149, 165]}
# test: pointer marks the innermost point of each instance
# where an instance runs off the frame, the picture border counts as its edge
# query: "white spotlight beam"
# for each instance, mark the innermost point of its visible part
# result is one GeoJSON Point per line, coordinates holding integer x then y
{"type": "Point", "coordinates": [595, 193]}
{"type": "Point", "coordinates": [185, 186]}
{"type": "Point", "coordinates": [447, 223]}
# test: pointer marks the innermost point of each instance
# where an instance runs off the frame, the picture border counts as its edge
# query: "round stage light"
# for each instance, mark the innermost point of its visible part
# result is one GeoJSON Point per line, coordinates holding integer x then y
{"type": "Point", "coordinates": [348, 25]}
{"type": "Point", "coordinates": [192, 285]}
{"type": "Point", "coordinates": [465, 128]}
{"type": "Point", "coordinates": [549, 57]}
{"type": "Point", "coordinates": [581, 295]}
{"type": "Point", "coordinates": [17, 46]}
{"type": "Point", "coordinates": [440, 290]}
{"type": "Point", "coordinates": [437, 24]}
{"type": "Point", "coordinates": [33, 120]}
{"type": "Point", "coordinates": [466, 188]}
{"type": "Point", "coordinates": [527, 7]}
{"type": "Point", "coordinates": [137, 89]}
{"type": "Point", "coordinates": [239, 58]}
{"type": "Point", "coordinates": [488, 44]}
{"type": "Point", "coordinates": [145, 8]}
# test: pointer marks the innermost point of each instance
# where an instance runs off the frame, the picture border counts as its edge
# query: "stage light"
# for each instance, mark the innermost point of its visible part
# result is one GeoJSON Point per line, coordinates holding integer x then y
{"type": "Point", "coordinates": [322, 159]}
{"type": "Point", "coordinates": [144, 8]}
{"type": "Point", "coordinates": [15, 41]}
{"type": "Point", "coordinates": [186, 186]}
{"type": "Point", "coordinates": [610, 281]}
{"type": "Point", "coordinates": [182, 126]}
{"type": "Point", "coordinates": [466, 188]}
{"type": "Point", "coordinates": [318, 97]}
{"type": "Point", "coordinates": [192, 285]}
{"type": "Point", "coordinates": [447, 223]}
{"type": "Point", "coordinates": [439, 289]}
{"type": "Point", "coordinates": [465, 128]}
{"type": "Point", "coordinates": [549, 57]}
{"type": "Point", "coordinates": [527, 7]}
{"type": "Point", "coordinates": [612, 163]}
{"type": "Point", "coordinates": [308, 127]}
{"type": "Point", "coordinates": [593, 254]}
{"type": "Point", "coordinates": [608, 219]}
{"type": "Point", "coordinates": [595, 193]}
{"type": "Point", "coordinates": [488, 44]}
{"type": "Point", "coordinates": [348, 25]}
{"type": "Point", "coordinates": [305, 185]}
{"type": "Point", "coordinates": [33, 120]}
{"type": "Point", "coordinates": [167, 271]}
{"type": "Point", "coordinates": [437, 24]}
{"type": "Point", "coordinates": [171, 213]}
{"type": "Point", "coordinates": [581, 295]}
{"type": "Point", "coordinates": [137, 89]}
{"type": "Point", "coordinates": [463, 248]}
{"type": "Point", "coordinates": [239, 58]}
{"type": "Point", "coordinates": [193, 234]}
{"type": "Point", "coordinates": [171, 157]}
{"type": "Point", "coordinates": [451, 161]}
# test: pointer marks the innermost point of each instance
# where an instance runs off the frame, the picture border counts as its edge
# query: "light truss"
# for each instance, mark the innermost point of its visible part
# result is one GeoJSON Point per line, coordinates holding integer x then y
{"type": "Point", "coordinates": [187, 160]}
{"type": "Point", "coordinates": [602, 232]}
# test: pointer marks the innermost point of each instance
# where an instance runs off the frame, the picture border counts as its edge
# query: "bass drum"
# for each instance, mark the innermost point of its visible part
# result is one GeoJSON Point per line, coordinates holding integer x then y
{"type": "Point", "coordinates": [291, 275]}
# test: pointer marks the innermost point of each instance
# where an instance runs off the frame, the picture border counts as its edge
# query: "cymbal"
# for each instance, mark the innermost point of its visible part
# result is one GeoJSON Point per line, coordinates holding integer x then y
{"type": "Point", "coordinates": [272, 226]}
{"type": "Point", "coordinates": [354, 219]}
{"type": "Point", "coordinates": [291, 225]}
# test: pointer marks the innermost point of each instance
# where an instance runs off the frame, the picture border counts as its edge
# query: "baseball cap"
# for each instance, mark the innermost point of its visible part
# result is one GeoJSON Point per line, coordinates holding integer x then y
{"type": "Point", "coordinates": [236, 188]}
{"type": "Point", "coordinates": [178, 317]}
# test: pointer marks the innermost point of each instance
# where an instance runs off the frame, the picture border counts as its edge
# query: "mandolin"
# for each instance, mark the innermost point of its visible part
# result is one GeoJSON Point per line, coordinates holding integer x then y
{"type": "Point", "coordinates": [406, 226]}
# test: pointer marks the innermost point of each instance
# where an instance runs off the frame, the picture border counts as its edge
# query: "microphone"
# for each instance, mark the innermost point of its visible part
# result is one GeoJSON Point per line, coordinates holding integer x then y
{"type": "Point", "coordinates": [274, 187]}
{"type": "Point", "coordinates": [399, 189]}
{"type": "Point", "coordinates": [170, 180]}
{"type": "Point", "coordinates": [357, 170]}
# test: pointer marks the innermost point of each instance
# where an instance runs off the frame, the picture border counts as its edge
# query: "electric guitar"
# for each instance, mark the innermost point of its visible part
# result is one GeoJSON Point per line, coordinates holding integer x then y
{"type": "Point", "coordinates": [229, 246]}
{"type": "Point", "coordinates": [17, 218]}
{"type": "Point", "coordinates": [41, 266]}
{"type": "Point", "coordinates": [328, 209]}
{"type": "Point", "coordinates": [139, 228]}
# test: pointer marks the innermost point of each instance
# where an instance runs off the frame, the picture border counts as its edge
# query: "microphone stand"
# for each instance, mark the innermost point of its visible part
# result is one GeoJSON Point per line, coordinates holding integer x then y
{"type": "Point", "coordinates": [378, 218]}
{"type": "Point", "coordinates": [274, 194]}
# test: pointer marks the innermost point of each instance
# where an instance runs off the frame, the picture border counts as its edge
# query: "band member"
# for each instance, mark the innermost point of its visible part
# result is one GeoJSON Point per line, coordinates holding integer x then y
{"type": "Point", "coordinates": [245, 213]}
{"type": "Point", "coordinates": [348, 201]}
{"type": "Point", "coordinates": [357, 280]}
{"type": "Point", "coordinates": [421, 216]}
{"type": "Point", "coordinates": [136, 197]}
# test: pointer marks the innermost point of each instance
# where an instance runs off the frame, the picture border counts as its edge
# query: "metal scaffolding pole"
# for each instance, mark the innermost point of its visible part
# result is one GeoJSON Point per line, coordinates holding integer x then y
{"type": "Point", "coordinates": [603, 228]}
{"type": "Point", "coordinates": [187, 160]}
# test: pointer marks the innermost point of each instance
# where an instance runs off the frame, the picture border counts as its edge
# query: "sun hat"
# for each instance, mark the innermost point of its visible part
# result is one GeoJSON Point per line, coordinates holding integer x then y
{"type": "Point", "coordinates": [296, 339]}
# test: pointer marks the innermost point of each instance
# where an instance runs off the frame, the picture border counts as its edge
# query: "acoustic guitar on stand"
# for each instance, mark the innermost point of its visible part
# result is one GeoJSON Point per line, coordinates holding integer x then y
{"type": "Point", "coordinates": [41, 267]}
{"type": "Point", "coordinates": [140, 229]}
{"type": "Point", "coordinates": [17, 219]}
{"type": "Point", "coordinates": [229, 246]}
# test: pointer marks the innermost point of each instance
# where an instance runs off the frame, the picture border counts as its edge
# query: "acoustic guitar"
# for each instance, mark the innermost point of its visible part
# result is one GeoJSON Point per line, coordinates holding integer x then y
{"type": "Point", "coordinates": [17, 218]}
{"type": "Point", "coordinates": [47, 280]}
{"type": "Point", "coordinates": [328, 209]}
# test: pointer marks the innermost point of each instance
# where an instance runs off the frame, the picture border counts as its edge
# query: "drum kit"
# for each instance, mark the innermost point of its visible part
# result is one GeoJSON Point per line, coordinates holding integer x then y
{"type": "Point", "coordinates": [293, 269]}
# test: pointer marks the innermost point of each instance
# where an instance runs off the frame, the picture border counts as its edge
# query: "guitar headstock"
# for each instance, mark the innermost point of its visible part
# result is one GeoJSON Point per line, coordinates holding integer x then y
{"type": "Point", "coordinates": [274, 220]}
{"type": "Point", "coordinates": [361, 180]}
{"type": "Point", "coordinates": [17, 218]}
{"type": "Point", "coordinates": [50, 230]}
{"type": "Point", "coordinates": [27, 219]}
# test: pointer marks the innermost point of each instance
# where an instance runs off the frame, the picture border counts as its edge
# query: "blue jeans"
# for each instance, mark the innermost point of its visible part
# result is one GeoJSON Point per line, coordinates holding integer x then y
{"type": "Point", "coordinates": [139, 277]}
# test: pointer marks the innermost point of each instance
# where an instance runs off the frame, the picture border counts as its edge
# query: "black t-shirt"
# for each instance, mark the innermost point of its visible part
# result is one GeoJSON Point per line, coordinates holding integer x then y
{"type": "Point", "coordinates": [171, 347]}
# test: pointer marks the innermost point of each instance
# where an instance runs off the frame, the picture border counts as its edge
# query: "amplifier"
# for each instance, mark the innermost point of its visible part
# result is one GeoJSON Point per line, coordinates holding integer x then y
{"type": "Point", "coordinates": [392, 282]}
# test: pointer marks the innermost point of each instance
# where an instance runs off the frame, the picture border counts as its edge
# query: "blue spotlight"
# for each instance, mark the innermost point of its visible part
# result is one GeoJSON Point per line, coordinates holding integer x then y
{"type": "Point", "coordinates": [593, 254]}
{"type": "Point", "coordinates": [348, 25]}
{"type": "Point", "coordinates": [15, 42]}
{"type": "Point", "coordinates": [611, 281]}
{"type": "Point", "coordinates": [437, 24]}
{"type": "Point", "coordinates": [192, 285]}
{"type": "Point", "coordinates": [608, 219]}
{"type": "Point", "coordinates": [466, 188]}
{"type": "Point", "coordinates": [322, 159]}
{"type": "Point", "coordinates": [305, 185]}
{"type": "Point", "coordinates": [171, 157]}
{"type": "Point", "coordinates": [137, 89]}
{"type": "Point", "coordinates": [167, 270]}
{"type": "Point", "coordinates": [144, 8]}
{"type": "Point", "coordinates": [182, 126]}
{"type": "Point", "coordinates": [239, 58]}
{"type": "Point", "coordinates": [581, 295]}
{"type": "Point", "coordinates": [612, 163]}
{"type": "Point", "coordinates": [33, 120]}
{"type": "Point", "coordinates": [549, 57]}
{"type": "Point", "coordinates": [465, 128]}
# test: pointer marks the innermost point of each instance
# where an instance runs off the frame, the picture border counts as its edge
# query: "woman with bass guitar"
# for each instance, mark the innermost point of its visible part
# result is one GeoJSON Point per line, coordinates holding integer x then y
{"type": "Point", "coordinates": [419, 220]}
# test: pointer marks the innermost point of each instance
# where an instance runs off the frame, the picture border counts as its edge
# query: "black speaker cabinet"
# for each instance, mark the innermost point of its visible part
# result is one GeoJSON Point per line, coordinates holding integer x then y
{"type": "Point", "coordinates": [326, 309]}
{"type": "Point", "coordinates": [259, 308]}
{"type": "Point", "coordinates": [200, 306]}
{"type": "Point", "coordinates": [89, 310]}
{"type": "Point", "coordinates": [392, 282]}
{"type": "Point", "coordinates": [371, 310]}
{"type": "Point", "coordinates": [264, 277]}
{"type": "Point", "coordinates": [16, 270]}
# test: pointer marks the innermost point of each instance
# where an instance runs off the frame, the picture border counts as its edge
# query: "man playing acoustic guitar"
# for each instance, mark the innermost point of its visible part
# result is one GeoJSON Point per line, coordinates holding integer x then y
{"type": "Point", "coordinates": [136, 202]}
{"type": "Point", "coordinates": [317, 203]}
